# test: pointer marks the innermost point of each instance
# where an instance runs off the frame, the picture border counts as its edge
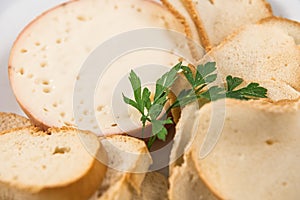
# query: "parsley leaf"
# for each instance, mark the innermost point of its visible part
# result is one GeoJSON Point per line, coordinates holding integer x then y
{"type": "Point", "coordinates": [202, 77]}
{"type": "Point", "coordinates": [159, 128]}
{"type": "Point", "coordinates": [130, 102]}
{"type": "Point", "coordinates": [232, 83]}
{"type": "Point", "coordinates": [151, 110]}
{"type": "Point", "coordinates": [165, 82]}
{"type": "Point", "coordinates": [146, 98]}
{"type": "Point", "coordinates": [251, 91]}
{"type": "Point", "coordinates": [214, 93]}
{"type": "Point", "coordinates": [200, 81]}
{"type": "Point", "coordinates": [155, 110]}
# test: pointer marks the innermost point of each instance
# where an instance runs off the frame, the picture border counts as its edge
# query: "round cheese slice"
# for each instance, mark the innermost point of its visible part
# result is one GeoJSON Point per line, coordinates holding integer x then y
{"type": "Point", "coordinates": [48, 57]}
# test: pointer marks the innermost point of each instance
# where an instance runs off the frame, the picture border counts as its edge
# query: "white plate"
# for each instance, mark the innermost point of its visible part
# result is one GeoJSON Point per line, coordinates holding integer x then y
{"type": "Point", "coordinates": [15, 14]}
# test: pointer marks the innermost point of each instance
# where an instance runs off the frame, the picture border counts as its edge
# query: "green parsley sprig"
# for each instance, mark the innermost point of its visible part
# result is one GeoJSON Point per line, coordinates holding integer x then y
{"type": "Point", "coordinates": [200, 82]}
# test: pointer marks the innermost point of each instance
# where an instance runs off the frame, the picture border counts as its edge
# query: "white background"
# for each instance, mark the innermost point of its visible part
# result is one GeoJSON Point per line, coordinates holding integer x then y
{"type": "Point", "coordinates": [16, 14]}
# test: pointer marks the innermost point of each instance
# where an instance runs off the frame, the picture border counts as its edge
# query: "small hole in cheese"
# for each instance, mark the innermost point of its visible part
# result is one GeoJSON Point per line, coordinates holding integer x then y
{"type": "Point", "coordinates": [46, 90]}
{"type": "Point", "coordinates": [44, 48]}
{"type": "Point", "coordinates": [22, 71]}
{"type": "Point", "coordinates": [30, 76]}
{"type": "Point", "coordinates": [58, 41]}
{"type": "Point", "coordinates": [100, 108]}
{"type": "Point", "coordinates": [81, 18]}
{"type": "Point", "coordinates": [62, 114]}
{"type": "Point", "coordinates": [45, 82]}
{"type": "Point", "coordinates": [43, 64]}
{"type": "Point", "coordinates": [24, 50]}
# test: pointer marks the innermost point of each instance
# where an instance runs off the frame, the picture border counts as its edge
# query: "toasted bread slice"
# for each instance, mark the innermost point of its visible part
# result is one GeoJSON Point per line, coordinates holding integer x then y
{"type": "Point", "coordinates": [184, 135]}
{"type": "Point", "coordinates": [216, 19]}
{"type": "Point", "coordinates": [277, 91]}
{"type": "Point", "coordinates": [58, 164]}
{"type": "Point", "coordinates": [128, 162]}
{"type": "Point", "coordinates": [48, 55]}
{"type": "Point", "coordinates": [185, 183]}
{"type": "Point", "coordinates": [266, 51]}
{"type": "Point", "coordinates": [154, 186]}
{"type": "Point", "coordinates": [291, 27]}
{"type": "Point", "coordinates": [11, 120]}
{"type": "Point", "coordinates": [271, 58]}
{"type": "Point", "coordinates": [258, 139]}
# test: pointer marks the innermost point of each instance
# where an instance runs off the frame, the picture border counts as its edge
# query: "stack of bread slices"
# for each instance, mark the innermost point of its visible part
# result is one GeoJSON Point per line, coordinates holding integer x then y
{"type": "Point", "coordinates": [256, 154]}
{"type": "Point", "coordinates": [59, 152]}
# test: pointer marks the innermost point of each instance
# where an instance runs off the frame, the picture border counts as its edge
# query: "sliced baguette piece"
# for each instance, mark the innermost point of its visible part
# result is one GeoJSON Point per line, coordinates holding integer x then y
{"type": "Point", "coordinates": [292, 30]}
{"type": "Point", "coordinates": [216, 19]}
{"type": "Point", "coordinates": [186, 184]}
{"type": "Point", "coordinates": [48, 55]}
{"type": "Point", "coordinates": [50, 165]}
{"type": "Point", "coordinates": [266, 51]}
{"type": "Point", "coordinates": [184, 135]}
{"type": "Point", "coordinates": [154, 186]}
{"type": "Point", "coordinates": [277, 91]}
{"type": "Point", "coordinates": [128, 162]}
{"type": "Point", "coordinates": [11, 120]}
{"type": "Point", "coordinates": [259, 141]}
{"type": "Point", "coordinates": [118, 190]}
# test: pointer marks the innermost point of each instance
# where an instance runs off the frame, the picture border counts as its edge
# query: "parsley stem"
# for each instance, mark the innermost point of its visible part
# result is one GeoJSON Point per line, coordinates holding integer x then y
{"type": "Point", "coordinates": [170, 108]}
{"type": "Point", "coordinates": [151, 141]}
{"type": "Point", "coordinates": [143, 130]}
